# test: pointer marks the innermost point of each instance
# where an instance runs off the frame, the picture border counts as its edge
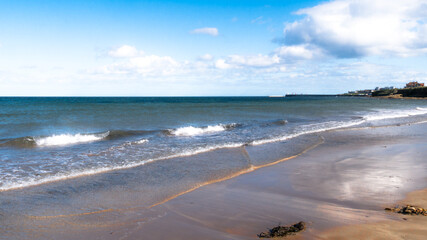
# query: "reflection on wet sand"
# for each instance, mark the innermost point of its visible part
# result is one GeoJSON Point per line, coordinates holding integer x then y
{"type": "Point", "coordinates": [244, 171]}
{"type": "Point", "coordinates": [345, 180]}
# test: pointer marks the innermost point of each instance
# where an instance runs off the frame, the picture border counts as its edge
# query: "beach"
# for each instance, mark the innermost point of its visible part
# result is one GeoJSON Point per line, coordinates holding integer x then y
{"type": "Point", "coordinates": [338, 187]}
{"type": "Point", "coordinates": [334, 163]}
{"type": "Point", "coordinates": [213, 120]}
{"type": "Point", "coordinates": [337, 184]}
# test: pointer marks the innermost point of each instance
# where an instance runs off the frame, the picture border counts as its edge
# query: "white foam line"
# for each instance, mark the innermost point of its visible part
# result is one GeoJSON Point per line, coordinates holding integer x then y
{"type": "Point", "coordinates": [33, 182]}
{"type": "Point", "coordinates": [67, 139]}
{"type": "Point", "coordinates": [389, 114]}
{"type": "Point", "coordinates": [58, 177]}
{"type": "Point", "coordinates": [193, 131]}
{"type": "Point", "coordinates": [287, 137]}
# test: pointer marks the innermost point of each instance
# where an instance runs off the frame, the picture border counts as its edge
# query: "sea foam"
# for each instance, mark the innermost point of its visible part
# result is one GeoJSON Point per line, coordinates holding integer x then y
{"type": "Point", "coordinates": [66, 139]}
{"type": "Point", "coordinates": [193, 131]}
{"type": "Point", "coordinates": [32, 181]}
{"type": "Point", "coordinates": [309, 129]}
{"type": "Point", "coordinates": [390, 114]}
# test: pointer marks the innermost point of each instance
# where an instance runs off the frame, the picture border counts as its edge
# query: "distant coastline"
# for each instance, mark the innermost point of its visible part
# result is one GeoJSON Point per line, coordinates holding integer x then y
{"type": "Point", "coordinates": [312, 95]}
{"type": "Point", "coordinates": [412, 93]}
{"type": "Point", "coordinates": [391, 92]}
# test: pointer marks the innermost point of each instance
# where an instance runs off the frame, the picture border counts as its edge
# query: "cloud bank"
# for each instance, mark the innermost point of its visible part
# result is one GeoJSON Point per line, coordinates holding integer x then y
{"type": "Point", "coordinates": [358, 28]}
{"type": "Point", "coordinates": [332, 47]}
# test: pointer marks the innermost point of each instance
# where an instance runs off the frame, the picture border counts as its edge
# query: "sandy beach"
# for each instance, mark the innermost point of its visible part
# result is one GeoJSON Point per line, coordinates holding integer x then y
{"type": "Point", "coordinates": [339, 186]}
{"type": "Point", "coordinates": [213, 120]}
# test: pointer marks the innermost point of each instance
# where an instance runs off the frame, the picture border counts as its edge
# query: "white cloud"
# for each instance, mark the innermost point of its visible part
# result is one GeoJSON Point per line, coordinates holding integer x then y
{"type": "Point", "coordinates": [144, 65]}
{"type": "Point", "coordinates": [238, 61]}
{"type": "Point", "coordinates": [157, 66]}
{"type": "Point", "coordinates": [206, 30]}
{"type": "Point", "coordinates": [356, 28]}
{"type": "Point", "coordinates": [221, 64]}
{"type": "Point", "coordinates": [206, 57]}
{"type": "Point", "coordinates": [125, 51]}
{"type": "Point", "coordinates": [302, 51]}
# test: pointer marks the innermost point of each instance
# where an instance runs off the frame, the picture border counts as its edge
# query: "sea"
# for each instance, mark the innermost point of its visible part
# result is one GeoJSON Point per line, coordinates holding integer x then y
{"type": "Point", "coordinates": [51, 139]}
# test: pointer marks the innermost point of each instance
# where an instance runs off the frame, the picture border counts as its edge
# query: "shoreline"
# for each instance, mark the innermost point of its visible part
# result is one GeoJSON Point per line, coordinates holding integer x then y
{"type": "Point", "coordinates": [262, 201]}
{"type": "Point", "coordinates": [398, 97]}
{"type": "Point", "coordinates": [347, 210]}
{"type": "Point", "coordinates": [346, 180]}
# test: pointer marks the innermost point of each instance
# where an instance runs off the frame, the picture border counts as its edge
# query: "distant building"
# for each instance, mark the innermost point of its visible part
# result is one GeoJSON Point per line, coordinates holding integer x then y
{"type": "Point", "coordinates": [361, 92]}
{"type": "Point", "coordinates": [367, 91]}
{"type": "Point", "coordinates": [387, 88]}
{"type": "Point", "coordinates": [414, 84]}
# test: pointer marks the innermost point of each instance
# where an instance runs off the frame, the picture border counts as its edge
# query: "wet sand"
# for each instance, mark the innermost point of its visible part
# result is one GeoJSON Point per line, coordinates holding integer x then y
{"type": "Point", "coordinates": [407, 227]}
{"type": "Point", "coordinates": [340, 184]}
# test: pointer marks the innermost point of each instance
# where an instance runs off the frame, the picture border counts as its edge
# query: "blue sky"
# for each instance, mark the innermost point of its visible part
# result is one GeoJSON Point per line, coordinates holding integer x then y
{"type": "Point", "coordinates": [205, 48]}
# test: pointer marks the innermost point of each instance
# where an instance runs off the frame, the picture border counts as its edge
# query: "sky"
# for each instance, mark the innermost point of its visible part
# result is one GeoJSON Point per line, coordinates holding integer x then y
{"type": "Point", "coordinates": [209, 48]}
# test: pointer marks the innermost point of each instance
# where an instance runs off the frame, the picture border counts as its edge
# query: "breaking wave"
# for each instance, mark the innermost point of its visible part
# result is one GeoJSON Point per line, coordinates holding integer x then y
{"type": "Point", "coordinates": [66, 139]}
{"type": "Point", "coordinates": [32, 181]}
{"type": "Point", "coordinates": [193, 131]}
{"type": "Point", "coordinates": [309, 129]}
{"type": "Point", "coordinates": [69, 139]}
{"type": "Point", "coordinates": [389, 114]}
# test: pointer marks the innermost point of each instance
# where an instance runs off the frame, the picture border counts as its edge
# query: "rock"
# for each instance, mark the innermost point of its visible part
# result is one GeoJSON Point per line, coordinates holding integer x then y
{"type": "Point", "coordinates": [282, 231]}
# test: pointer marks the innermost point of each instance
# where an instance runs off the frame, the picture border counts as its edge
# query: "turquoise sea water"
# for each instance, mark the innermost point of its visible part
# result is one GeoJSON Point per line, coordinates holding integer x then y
{"type": "Point", "coordinates": [49, 139]}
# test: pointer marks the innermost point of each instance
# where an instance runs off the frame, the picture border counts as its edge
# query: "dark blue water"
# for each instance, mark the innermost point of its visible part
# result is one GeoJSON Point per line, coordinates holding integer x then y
{"type": "Point", "coordinates": [46, 139]}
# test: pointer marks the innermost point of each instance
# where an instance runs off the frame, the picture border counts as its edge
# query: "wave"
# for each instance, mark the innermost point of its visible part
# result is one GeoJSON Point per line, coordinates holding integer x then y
{"type": "Point", "coordinates": [121, 146]}
{"type": "Point", "coordinates": [193, 131]}
{"type": "Point", "coordinates": [86, 172]}
{"type": "Point", "coordinates": [53, 140]}
{"type": "Point", "coordinates": [67, 139]}
{"type": "Point", "coordinates": [279, 122]}
{"type": "Point", "coordinates": [390, 114]}
{"type": "Point", "coordinates": [309, 129]}
{"type": "Point", "coordinates": [332, 125]}
{"type": "Point", "coordinates": [23, 142]}
{"type": "Point", "coordinates": [142, 141]}
{"type": "Point", "coordinates": [117, 134]}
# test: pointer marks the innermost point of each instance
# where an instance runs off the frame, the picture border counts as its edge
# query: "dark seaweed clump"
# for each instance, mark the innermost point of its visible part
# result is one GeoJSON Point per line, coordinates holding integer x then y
{"type": "Point", "coordinates": [408, 210]}
{"type": "Point", "coordinates": [282, 231]}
